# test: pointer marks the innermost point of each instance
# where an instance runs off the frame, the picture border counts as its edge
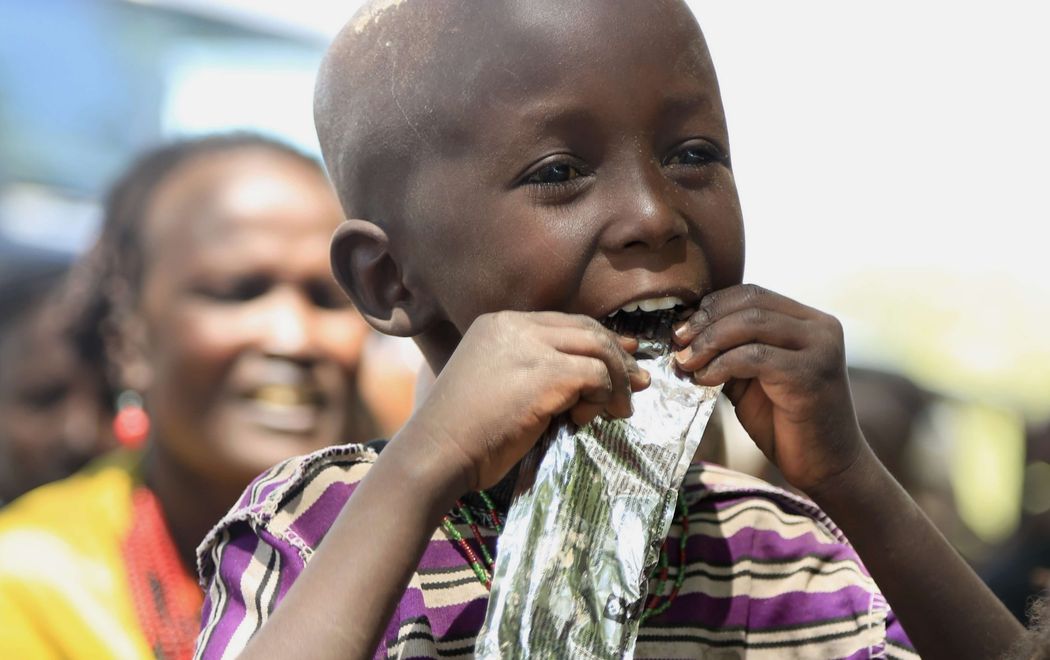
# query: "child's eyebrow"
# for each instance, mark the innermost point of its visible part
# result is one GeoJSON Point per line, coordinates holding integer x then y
{"type": "Point", "coordinates": [688, 103]}
{"type": "Point", "coordinates": [551, 117]}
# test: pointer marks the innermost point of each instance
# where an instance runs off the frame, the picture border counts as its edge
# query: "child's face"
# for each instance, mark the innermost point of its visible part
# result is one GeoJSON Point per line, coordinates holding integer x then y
{"type": "Point", "coordinates": [591, 169]}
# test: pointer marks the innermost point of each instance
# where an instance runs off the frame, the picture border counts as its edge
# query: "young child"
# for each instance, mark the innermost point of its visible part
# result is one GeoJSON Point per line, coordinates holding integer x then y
{"type": "Point", "coordinates": [515, 172]}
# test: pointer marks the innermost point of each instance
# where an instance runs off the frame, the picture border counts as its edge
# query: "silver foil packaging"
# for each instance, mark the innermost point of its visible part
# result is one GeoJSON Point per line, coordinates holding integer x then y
{"type": "Point", "coordinates": [581, 540]}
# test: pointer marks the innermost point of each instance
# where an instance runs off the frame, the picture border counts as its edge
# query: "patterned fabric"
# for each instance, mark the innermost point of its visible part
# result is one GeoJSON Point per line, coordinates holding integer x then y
{"type": "Point", "coordinates": [768, 575]}
{"type": "Point", "coordinates": [63, 585]}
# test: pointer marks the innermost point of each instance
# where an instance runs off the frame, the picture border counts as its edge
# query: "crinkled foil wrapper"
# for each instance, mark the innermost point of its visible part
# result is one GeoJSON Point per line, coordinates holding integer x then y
{"type": "Point", "coordinates": [581, 541]}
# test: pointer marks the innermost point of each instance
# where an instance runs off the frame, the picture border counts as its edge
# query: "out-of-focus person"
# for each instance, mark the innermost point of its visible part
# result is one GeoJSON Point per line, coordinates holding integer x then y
{"type": "Point", "coordinates": [209, 302]}
{"type": "Point", "coordinates": [1020, 571]}
{"type": "Point", "coordinates": [894, 414]}
{"type": "Point", "coordinates": [51, 411]}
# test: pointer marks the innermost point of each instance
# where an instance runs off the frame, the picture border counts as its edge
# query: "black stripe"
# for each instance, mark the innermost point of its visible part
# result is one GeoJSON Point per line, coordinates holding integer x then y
{"type": "Point", "coordinates": [451, 570]}
{"type": "Point", "coordinates": [428, 633]}
{"type": "Point", "coordinates": [448, 584]}
{"type": "Point", "coordinates": [761, 561]}
{"type": "Point", "coordinates": [262, 587]}
{"type": "Point", "coordinates": [747, 572]}
{"type": "Point", "coordinates": [277, 587]}
{"type": "Point", "coordinates": [804, 520]}
{"type": "Point", "coordinates": [313, 472]}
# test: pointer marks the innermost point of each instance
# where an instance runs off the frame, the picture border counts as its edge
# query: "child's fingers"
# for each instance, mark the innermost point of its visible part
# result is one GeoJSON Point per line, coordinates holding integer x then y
{"type": "Point", "coordinates": [770, 364]}
{"type": "Point", "coordinates": [746, 326]}
{"type": "Point", "coordinates": [622, 368]}
{"type": "Point", "coordinates": [583, 414]}
{"type": "Point", "coordinates": [589, 385]}
{"type": "Point", "coordinates": [720, 304]}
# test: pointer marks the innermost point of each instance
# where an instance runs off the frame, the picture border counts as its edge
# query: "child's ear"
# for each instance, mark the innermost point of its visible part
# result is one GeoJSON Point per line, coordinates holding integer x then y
{"type": "Point", "coordinates": [368, 273]}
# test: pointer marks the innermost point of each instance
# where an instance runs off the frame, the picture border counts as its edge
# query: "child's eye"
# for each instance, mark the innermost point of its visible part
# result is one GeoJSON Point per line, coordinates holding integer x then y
{"type": "Point", "coordinates": [696, 154]}
{"type": "Point", "coordinates": [554, 174]}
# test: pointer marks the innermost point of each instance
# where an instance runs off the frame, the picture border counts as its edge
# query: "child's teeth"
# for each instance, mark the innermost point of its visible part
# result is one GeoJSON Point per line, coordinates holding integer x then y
{"type": "Point", "coordinates": [657, 304]}
{"type": "Point", "coordinates": [650, 305]}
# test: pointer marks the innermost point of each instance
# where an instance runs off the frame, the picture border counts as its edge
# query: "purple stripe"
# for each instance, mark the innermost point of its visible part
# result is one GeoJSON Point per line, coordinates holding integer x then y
{"type": "Point", "coordinates": [265, 491]}
{"type": "Point", "coordinates": [314, 523]}
{"type": "Point", "coordinates": [895, 632]}
{"type": "Point", "coordinates": [235, 560]}
{"type": "Point", "coordinates": [723, 501]}
{"type": "Point", "coordinates": [206, 609]}
{"type": "Point", "coordinates": [247, 501]}
{"type": "Point", "coordinates": [444, 554]}
{"type": "Point", "coordinates": [795, 608]}
{"type": "Point", "coordinates": [459, 620]}
{"type": "Point", "coordinates": [758, 544]}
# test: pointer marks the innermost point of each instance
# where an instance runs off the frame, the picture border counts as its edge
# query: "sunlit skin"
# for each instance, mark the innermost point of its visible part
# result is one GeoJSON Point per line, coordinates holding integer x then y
{"type": "Point", "coordinates": [505, 199]}
{"type": "Point", "coordinates": [248, 350]}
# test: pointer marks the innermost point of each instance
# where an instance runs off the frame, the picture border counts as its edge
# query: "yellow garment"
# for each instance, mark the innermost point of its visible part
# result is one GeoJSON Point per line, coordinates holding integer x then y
{"type": "Point", "coordinates": [63, 583]}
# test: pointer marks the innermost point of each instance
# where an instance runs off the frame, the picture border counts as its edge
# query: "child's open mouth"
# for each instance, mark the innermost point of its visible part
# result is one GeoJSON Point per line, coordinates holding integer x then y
{"type": "Point", "coordinates": [650, 318]}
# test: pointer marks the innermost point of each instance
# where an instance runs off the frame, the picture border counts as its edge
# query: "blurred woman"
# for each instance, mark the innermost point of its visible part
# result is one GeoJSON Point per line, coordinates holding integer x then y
{"type": "Point", "coordinates": [229, 348]}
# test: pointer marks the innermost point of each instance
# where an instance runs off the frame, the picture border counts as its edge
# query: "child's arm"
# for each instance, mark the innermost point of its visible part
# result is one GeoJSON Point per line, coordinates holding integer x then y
{"type": "Point", "coordinates": [510, 375]}
{"type": "Point", "coordinates": [784, 368]}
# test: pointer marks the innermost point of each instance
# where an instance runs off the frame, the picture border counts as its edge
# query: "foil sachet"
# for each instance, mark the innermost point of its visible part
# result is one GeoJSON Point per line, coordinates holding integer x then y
{"type": "Point", "coordinates": [584, 531]}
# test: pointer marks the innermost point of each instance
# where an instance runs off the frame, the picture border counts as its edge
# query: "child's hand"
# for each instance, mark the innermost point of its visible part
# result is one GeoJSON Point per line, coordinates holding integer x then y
{"type": "Point", "coordinates": [785, 372]}
{"type": "Point", "coordinates": [511, 373]}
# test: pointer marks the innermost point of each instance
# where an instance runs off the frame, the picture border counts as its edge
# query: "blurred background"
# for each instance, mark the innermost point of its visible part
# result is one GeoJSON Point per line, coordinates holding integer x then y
{"type": "Point", "coordinates": [891, 160]}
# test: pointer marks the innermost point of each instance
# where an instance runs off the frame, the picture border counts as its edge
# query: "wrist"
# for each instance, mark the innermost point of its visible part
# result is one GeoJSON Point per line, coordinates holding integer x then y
{"type": "Point", "coordinates": [857, 483]}
{"type": "Point", "coordinates": [425, 462]}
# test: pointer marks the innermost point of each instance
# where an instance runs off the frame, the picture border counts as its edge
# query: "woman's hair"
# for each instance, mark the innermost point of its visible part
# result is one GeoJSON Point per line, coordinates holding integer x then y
{"type": "Point", "coordinates": [104, 285]}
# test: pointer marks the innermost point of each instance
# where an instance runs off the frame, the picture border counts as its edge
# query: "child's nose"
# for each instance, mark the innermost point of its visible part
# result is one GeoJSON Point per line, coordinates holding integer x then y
{"type": "Point", "coordinates": [644, 216]}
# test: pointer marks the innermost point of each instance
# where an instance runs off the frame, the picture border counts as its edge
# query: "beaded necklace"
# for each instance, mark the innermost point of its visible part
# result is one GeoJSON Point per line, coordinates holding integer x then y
{"type": "Point", "coordinates": [483, 566]}
{"type": "Point", "coordinates": [166, 597]}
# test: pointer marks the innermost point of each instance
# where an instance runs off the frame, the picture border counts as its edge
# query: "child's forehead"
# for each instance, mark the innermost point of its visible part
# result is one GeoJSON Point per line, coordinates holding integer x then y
{"type": "Point", "coordinates": [423, 74]}
{"type": "Point", "coordinates": [461, 50]}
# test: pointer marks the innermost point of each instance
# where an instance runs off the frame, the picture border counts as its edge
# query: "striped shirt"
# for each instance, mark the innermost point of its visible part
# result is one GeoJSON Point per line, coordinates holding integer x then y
{"type": "Point", "coordinates": [767, 574]}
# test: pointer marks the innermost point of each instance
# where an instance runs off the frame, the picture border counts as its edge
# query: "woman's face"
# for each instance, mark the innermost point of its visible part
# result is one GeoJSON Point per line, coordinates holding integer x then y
{"type": "Point", "coordinates": [250, 348]}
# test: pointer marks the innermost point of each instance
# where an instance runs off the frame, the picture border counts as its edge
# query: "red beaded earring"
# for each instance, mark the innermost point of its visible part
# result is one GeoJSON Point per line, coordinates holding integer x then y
{"type": "Point", "coordinates": [131, 424]}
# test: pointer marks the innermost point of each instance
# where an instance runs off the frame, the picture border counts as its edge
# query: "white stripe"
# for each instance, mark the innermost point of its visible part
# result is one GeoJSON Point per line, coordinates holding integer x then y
{"type": "Point", "coordinates": [762, 516]}
{"type": "Point", "coordinates": [217, 593]}
{"type": "Point", "coordinates": [250, 584]}
{"type": "Point", "coordinates": [290, 511]}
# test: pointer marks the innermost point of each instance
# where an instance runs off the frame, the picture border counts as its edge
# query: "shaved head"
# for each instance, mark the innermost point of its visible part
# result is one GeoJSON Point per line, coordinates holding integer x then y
{"type": "Point", "coordinates": [403, 80]}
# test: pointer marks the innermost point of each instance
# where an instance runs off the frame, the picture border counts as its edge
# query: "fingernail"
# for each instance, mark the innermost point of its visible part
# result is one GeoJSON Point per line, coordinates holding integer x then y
{"type": "Point", "coordinates": [680, 330]}
{"type": "Point", "coordinates": [684, 354]}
